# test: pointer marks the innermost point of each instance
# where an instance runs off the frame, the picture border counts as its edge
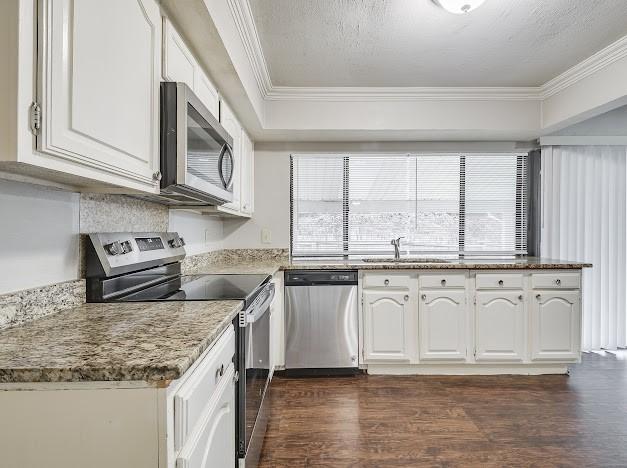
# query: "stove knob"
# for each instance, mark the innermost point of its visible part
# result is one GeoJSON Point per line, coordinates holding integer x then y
{"type": "Point", "coordinates": [182, 241]}
{"type": "Point", "coordinates": [175, 243]}
{"type": "Point", "coordinates": [114, 248]}
{"type": "Point", "coordinates": [127, 247]}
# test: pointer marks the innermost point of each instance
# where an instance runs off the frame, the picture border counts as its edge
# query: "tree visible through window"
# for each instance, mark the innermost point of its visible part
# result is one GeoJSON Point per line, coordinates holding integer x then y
{"type": "Point", "coordinates": [447, 204]}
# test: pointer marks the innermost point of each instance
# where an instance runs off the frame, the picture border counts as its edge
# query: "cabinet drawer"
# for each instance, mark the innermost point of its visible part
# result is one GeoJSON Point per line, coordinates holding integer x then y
{"type": "Point", "coordinates": [564, 280]}
{"type": "Point", "coordinates": [442, 281]}
{"type": "Point", "coordinates": [194, 394]}
{"type": "Point", "coordinates": [387, 280]}
{"type": "Point", "coordinates": [499, 281]}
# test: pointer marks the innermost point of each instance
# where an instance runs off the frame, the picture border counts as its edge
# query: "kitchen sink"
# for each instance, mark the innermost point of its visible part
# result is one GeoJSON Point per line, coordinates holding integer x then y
{"type": "Point", "coordinates": [405, 260]}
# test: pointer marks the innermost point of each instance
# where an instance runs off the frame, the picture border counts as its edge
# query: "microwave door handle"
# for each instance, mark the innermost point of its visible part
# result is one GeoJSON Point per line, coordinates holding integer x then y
{"type": "Point", "coordinates": [225, 150]}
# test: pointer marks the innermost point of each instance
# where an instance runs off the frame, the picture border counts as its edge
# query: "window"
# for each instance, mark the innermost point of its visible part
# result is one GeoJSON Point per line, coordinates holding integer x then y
{"type": "Point", "coordinates": [447, 204]}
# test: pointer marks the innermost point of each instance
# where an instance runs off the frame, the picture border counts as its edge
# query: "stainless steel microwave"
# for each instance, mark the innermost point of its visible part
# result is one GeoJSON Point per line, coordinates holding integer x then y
{"type": "Point", "coordinates": [196, 151]}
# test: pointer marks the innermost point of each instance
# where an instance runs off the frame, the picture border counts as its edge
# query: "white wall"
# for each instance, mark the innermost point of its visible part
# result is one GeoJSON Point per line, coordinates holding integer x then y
{"type": "Point", "coordinates": [201, 233]}
{"type": "Point", "coordinates": [612, 123]}
{"type": "Point", "coordinates": [39, 236]}
{"type": "Point", "coordinates": [40, 226]}
{"type": "Point", "coordinates": [272, 205]}
{"type": "Point", "coordinates": [272, 182]}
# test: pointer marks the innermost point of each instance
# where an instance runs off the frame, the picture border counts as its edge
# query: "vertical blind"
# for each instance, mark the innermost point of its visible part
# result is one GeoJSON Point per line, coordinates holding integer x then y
{"type": "Point", "coordinates": [440, 203]}
{"type": "Point", "coordinates": [584, 210]}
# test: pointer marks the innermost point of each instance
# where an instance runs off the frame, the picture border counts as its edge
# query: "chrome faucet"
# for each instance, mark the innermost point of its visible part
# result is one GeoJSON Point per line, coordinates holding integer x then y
{"type": "Point", "coordinates": [397, 247]}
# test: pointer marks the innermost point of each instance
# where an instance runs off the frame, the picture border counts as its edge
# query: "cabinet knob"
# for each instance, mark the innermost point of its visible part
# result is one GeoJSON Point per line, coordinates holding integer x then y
{"type": "Point", "coordinates": [386, 282]}
{"type": "Point", "coordinates": [538, 296]}
{"type": "Point", "coordinates": [406, 298]}
{"type": "Point", "coordinates": [520, 298]}
{"type": "Point", "coordinates": [500, 282]}
{"type": "Point", "coordinates": [443, 282]}
{"type": "Point", "coordinates": [558, 281]}
{"type": "Point", "coordinates": [423, 297]}
{"type": "Point", "coordinates": [156, 176]}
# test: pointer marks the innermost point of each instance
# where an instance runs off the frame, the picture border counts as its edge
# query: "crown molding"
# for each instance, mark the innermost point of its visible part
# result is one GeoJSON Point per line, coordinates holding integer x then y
{"type": "Point", "coordinates": [243, 16]}
{"type": "Point", "coordinates": [585, 68]}
{"type": "Point", "coordinates": [247, 29]}
{"type": "Point", "coordinates": [283, 93]}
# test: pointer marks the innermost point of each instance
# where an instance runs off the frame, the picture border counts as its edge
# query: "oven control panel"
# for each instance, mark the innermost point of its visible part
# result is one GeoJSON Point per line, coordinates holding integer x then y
{"type": "Point", "coordinates": [121, 252]}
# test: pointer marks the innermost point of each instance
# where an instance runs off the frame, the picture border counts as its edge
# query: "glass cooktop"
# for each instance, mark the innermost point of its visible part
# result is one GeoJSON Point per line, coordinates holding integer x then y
{"type": "Point", "coordinates": [202, 288]}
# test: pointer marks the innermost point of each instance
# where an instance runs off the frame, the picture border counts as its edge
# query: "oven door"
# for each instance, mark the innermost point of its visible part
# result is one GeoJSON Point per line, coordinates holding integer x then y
{"type": "Point", "coordinates": [196, 151]}
{"type": "Point", "coordinates": [254, 365]}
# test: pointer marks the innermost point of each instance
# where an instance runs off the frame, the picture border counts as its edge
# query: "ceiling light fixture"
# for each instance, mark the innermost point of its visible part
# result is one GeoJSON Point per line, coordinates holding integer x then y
{"type": "Point", "coordinates": [459, 7]}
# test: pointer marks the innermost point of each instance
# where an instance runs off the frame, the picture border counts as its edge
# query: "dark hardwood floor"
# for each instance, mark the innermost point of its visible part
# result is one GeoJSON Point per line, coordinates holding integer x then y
{"type": "Point", "coordinates": [382, 421]}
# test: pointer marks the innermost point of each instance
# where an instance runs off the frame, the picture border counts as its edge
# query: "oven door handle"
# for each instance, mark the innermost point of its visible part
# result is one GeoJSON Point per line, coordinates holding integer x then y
{"type": "Point", "coordinates": [263, 308]}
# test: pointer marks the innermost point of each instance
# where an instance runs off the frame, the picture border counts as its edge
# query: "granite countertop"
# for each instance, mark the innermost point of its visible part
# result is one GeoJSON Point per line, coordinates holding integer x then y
{"type": "Point", "coordinates": [252, 265]}
{"type": "Point", "coordinates": [527, 263]}
{"type": "Point", "coordinates": [149, 341]}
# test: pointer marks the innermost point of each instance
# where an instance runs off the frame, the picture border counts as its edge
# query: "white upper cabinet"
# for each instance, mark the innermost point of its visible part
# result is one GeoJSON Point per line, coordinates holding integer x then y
{"type": "Point", "coordinates": [207, 93]}
{"type": "Point", "coordinates": [499, 326]}
{"type": "Point", "coordinates": [231, 124]}
{"type": "Point", "coordinates": [442, 323]}
{"type": "Point", "coordinates": [247, 175]}
{"type": "Point", "coordinates": [555, 325]}
{"type": "Point", "coordinates": [179, 64]}
{"type": "Point", "coordinates": [388, 326]}
{"type": "Point", "coordinates": [99, 90]}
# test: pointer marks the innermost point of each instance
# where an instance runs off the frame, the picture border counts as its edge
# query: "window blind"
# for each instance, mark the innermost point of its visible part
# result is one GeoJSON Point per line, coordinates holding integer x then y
{"type": "Point", "coordinates": [440, 203]}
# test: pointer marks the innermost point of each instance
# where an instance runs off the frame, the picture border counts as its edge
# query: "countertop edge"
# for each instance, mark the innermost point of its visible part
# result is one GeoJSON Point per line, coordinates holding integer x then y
{"type": "Point", "coordinates": [437, 266]}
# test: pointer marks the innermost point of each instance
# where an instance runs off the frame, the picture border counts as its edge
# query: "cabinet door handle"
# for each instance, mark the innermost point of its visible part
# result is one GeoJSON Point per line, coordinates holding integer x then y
{"type": "Point", "coordinates": [538, 296]}
{"type": "Point", "coordinates": [386, 282]}
{"type": "Point", "coordinates": [443, 282]}
{"type": "Point", "coordinates": [558, 281]}
{"type": "Point", "coordinates": [219, 371]}
{"type": "Point", "coordinates": [156, 176]}
{"type": "Point", "coordinates": [500, 282]}
{"type": "Point", "coordinates": [520, 298]}
{"type": "Point", "coordinates": [423, 297]}
{"type": "Point", "coordinates": [406, 298]}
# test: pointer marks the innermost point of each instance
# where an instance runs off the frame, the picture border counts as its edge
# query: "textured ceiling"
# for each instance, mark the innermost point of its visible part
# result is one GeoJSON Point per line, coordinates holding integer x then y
{"type": "Point", "coordinates": [327, 43]}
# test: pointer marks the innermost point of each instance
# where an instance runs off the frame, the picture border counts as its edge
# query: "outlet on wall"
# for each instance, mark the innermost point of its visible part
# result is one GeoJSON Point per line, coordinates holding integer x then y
{"type": "Point", "coordinates": [266, 236]}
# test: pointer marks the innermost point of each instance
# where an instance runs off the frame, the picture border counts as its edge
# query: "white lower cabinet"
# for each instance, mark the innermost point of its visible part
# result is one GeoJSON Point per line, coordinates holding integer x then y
{"type": "Point", "coordinates": [426, 322]}
{"type": "Point", "coordinates": [388, 325]}
{"type": "Point", "coordinates": [442, 323]}
{"type": "Point", "coordinates": [555, 325]}
{"type": "Point", "coordinates": [189, 423]}
{"type": "Point", "coordinates": [213, 445]}
{"type": "Point", "coordinates": [499, 326]}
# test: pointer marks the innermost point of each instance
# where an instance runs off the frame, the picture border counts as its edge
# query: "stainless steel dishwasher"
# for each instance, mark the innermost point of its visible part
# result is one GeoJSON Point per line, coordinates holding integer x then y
{"type": "Point", "coordinates": [321, 324]}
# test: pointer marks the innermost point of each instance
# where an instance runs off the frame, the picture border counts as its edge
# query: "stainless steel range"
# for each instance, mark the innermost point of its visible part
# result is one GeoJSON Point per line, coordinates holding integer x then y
{"type": "Point", "coordinates": [137, 267]}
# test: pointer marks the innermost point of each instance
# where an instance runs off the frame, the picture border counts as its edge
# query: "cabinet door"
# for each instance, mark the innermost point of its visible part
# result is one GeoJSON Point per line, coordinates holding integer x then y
{"type": "Point", "coordinates": [207, 92]}
{"type": "Point", "coordinates": [499, 326]}
{"type": "Point", "coordinates": [442, 324]}
{"type": "Point", "coordinates": [247, 177]}
{"type": "Point", "coordinates": [213, 443]}
{"type": "Point", "coordinates": [179, 64]}
{"type": "Point", "coordinates": [555, 325]}
{"type": "Point", "coordinates": [388, 328]}
{"type": "Point", "coordinates": [99, 89]}
{"type": "Point", "coordinates": [232, 125]}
